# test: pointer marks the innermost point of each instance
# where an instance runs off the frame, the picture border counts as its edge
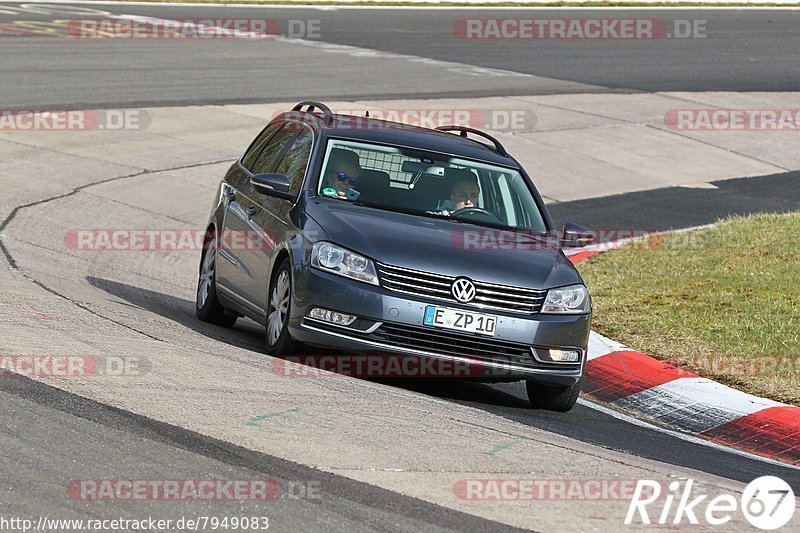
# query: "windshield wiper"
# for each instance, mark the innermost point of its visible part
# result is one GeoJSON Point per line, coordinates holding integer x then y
{"type": "Point", "coordinates": [397, 209]}
{"type": "Point", "coordinates": [526, 232]}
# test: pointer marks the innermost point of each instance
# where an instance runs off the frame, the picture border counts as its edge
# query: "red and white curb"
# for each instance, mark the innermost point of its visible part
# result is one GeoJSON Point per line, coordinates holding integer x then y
{"type": "Point", "coordinates": [670, 396]}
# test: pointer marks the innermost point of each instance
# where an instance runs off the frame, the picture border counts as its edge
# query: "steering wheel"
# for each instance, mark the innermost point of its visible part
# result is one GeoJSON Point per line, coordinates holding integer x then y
{"type": "Point", "coordinates": [467, 211]}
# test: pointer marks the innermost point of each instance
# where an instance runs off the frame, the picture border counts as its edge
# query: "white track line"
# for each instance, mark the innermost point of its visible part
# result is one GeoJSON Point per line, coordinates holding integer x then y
{"type": "Point", "coordinates": [353, 51]}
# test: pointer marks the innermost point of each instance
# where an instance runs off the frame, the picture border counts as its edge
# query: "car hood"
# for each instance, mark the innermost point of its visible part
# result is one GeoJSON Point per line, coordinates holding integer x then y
{"type": "Point", "coordinates": [445, 247]}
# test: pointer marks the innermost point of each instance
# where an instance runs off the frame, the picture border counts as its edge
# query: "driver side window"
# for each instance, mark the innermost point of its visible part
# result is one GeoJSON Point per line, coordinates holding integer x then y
{"type": "Point", "coordinates": [272, 151]}
{"type": "Point", "coordinates": [249, 158]}
{"type": "Point", "coordinates": [295, 162]}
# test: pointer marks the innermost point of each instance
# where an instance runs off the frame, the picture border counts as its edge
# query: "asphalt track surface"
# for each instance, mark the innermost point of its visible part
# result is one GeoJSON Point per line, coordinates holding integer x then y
{"type": "Point", "coordinates": [739, 51]}
{"type": "Point", "coordinates": [95, 434]}
{"type": "Point", "coordinates": [738, 55]}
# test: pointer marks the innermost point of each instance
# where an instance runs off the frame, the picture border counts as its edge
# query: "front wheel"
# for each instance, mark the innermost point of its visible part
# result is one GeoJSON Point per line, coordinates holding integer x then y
{"type": "Point", "coordinates": [553, 397]}
{"type": "Point", "coordinates": [279, 342]}
{"type": "Point", "coordinates": [207, 306]}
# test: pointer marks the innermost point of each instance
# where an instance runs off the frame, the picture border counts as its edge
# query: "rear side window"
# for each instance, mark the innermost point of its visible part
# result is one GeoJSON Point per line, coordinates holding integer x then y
{"type": "Point", "coordinates": [295, 162]}
{"type": "Point", "coordinates": [274, 148]}
{"type": "Point", "coordinates": [258, 145]}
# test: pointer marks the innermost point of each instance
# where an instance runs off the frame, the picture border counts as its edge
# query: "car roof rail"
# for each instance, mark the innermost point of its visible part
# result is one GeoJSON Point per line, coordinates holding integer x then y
{"type": "Point", "coordinates": [310, 106]}
{"type": "Point", "coordinates": [464, 130]}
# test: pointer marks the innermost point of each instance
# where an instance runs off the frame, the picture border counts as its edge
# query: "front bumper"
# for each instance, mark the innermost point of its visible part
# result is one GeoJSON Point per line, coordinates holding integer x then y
{"type": "Point", "coordinates": [393, 324]}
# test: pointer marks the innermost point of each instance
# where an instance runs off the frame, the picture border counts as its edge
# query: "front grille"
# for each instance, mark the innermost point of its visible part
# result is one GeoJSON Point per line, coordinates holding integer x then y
{"type": "Point", "coordinates": [446, 343]}
{"type": "Point", "coordinates": [487, 295]}
{"type": "Point", "coordinates": [436, 341]}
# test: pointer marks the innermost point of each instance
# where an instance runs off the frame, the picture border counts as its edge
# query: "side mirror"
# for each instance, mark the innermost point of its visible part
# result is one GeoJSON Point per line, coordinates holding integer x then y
{"type": "Point", "coordinates": [576, 236]}
{"type": "Point", "coordinates": [273, 184]}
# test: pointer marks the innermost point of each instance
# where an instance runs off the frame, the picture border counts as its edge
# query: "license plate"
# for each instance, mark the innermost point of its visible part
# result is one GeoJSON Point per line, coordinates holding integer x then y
{"type": "Point", "coordinates": [444, 317]}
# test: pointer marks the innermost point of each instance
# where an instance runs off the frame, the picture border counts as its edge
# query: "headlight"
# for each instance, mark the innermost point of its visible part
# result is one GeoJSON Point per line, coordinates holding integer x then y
{"type": "Point", "coordinates": [573, 299]}
{"type": "Point", "coordinates": [332, 258]}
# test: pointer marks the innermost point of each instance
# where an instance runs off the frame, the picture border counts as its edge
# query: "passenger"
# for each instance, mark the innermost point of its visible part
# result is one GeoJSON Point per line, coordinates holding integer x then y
{"type": "Point", "coordinates": [342, 173]}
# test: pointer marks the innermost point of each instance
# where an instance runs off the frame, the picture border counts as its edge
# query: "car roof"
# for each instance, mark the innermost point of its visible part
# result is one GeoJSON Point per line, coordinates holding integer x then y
{"type": "Point", "coordinates": [395, 133]}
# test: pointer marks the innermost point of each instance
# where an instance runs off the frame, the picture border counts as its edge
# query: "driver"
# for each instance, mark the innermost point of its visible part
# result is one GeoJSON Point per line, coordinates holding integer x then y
{"type": "Point", "coordinates": [464, 192]}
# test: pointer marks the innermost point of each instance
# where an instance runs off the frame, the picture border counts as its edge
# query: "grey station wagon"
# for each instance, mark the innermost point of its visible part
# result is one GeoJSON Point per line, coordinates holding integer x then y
{"type": "Point", "coordinates": [371, 237]}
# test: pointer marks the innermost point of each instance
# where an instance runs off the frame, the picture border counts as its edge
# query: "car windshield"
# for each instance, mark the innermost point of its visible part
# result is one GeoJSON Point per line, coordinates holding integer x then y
{"type": "Point", "coordinates": [428, 184]}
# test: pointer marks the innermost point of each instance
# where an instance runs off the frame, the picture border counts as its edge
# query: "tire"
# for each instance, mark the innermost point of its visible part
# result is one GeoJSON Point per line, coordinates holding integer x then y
{"type": "Point", "coordinates": [553, 397]}
{"type": "Point", "coordinates": [279, 306]}
{"type": "Point", "coordinates": [207, 306]}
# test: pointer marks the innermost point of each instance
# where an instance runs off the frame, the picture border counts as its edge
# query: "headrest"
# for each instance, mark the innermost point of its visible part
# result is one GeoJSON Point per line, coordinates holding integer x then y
{"type": "Point", "coordinates": [375, 175]}
{"type": "Point", "coordinates": [340, 157]}
{"type": "Point", "coordinates": [452, 175]}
